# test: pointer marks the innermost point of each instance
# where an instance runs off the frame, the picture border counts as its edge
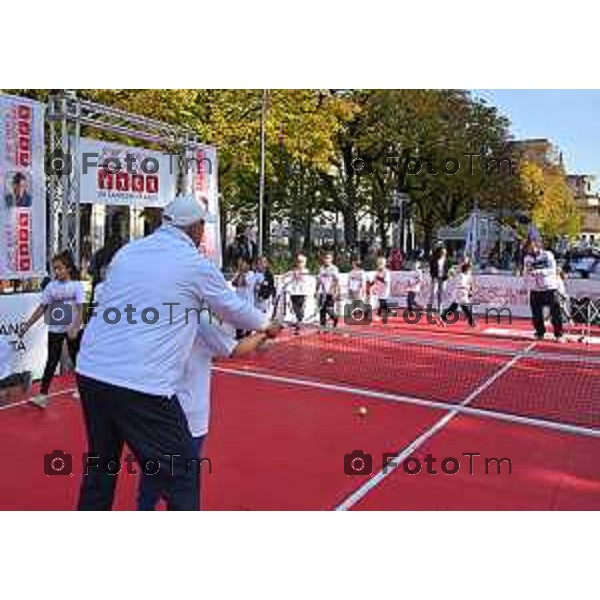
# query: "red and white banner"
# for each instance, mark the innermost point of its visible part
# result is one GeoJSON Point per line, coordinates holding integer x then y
{"type": "Point", "coordinates": [491, 293]}
{"type": "Point", "coordinates": [206, 190]}
{"type": "Point", "coordinates": [22, 189]}
{"type": "Point", "coordinates": [125, 175]}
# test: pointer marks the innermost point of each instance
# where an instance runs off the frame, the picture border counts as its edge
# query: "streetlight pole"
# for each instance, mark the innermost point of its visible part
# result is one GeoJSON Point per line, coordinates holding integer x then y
{"type": "Point", "coordinates": [261, 185]}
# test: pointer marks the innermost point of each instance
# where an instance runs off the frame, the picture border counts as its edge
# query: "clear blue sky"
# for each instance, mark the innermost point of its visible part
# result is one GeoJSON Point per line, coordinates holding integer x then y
{"type": "Point", "coordinates": [570, 119]}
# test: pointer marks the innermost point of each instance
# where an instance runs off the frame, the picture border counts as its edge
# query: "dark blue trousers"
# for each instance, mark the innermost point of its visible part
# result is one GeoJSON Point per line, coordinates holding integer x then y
{"type": "Point", "coordinates": [156, 431]}
{"type": "Point", "coordinates": [149, 493]}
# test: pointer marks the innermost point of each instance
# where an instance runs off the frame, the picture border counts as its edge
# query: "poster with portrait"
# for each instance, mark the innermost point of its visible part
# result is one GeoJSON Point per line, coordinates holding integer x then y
{"type": "Point", "coordinates": [22, 189]}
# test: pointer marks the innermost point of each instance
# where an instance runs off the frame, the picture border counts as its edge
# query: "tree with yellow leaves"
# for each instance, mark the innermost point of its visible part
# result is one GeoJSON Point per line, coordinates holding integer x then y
{"type": "Point", "coordinates": [552, 204]}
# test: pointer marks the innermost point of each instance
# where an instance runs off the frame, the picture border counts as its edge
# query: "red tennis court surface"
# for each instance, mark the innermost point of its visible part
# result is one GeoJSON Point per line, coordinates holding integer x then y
{"type": "Point", "coordinates": [284, 419]}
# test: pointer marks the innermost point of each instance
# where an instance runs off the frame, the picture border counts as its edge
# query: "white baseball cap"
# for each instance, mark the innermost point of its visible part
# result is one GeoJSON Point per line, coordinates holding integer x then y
{"type": "Point", "coordinates": [186, 210]}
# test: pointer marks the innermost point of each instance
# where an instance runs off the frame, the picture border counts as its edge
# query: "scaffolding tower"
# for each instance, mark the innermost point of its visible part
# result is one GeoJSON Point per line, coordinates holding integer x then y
{"type": "Point", "coordinates": [66, 115]}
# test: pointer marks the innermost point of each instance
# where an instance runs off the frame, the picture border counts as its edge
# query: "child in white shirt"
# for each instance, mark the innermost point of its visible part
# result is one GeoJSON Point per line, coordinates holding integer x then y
{"type": "Point", "coordinates": [297, 284]}
{"type": "Point", "coordinates": [245, 287]}
{"type": "Point", "coordinates": [193, 391]}
{"type": "Point", "coordinates": [380, 287]}
{"type": "Point", "coordinates": [356, 282]}
{"type": "Point", "coordinates": [328, 287]}
{"type": "Point", "coordinates": [414, 288]}
{"type": "Point", "coordinates": [462, 295]}
{"type": "Point", "coordinates": [62, 305]}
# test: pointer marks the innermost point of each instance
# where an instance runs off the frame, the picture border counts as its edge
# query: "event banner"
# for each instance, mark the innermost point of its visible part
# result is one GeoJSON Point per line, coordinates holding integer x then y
{"type": "Point", "coordinates": [22, 189]}
{"type": "Point", "coordinates": [206, 190]}
{"type": "Point", "coordinates": [492, 294]}
{"type": "Point", "coordinates": [125, 175]}
{"type": "Point", "coordinates": [30, 351]}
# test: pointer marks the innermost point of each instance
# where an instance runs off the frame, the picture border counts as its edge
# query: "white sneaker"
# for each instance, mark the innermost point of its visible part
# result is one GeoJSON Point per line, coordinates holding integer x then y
{"type": "Point", "coordinates": [41, 400]}
{"type": "Point", "coordinates": [560, 339]}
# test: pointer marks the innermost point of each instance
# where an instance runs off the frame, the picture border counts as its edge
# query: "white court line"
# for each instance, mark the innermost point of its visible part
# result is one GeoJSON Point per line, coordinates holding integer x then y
{"type": "Point", "coordinates": [28, 401]}
{"type": "Point", "coordinates": [401, 399]}
{"type": "Point", "coordinates": [362, 491]}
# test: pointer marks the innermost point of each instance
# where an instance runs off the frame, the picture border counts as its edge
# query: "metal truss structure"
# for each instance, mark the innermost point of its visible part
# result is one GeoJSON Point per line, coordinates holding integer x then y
{"type": "Point", "coordinates": [66, 115]}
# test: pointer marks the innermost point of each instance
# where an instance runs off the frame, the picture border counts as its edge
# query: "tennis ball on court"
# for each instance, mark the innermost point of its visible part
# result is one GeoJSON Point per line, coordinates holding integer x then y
{"type": "Point", "coordinates": [362, 411]}
{"type": "Point", "coordinates": [329, 360]}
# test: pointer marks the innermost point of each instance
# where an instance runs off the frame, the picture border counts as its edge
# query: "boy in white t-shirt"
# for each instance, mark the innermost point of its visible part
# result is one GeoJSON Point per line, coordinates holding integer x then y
{"type": "Point", "coordinates": [415, 285]}
{"type": "Point", "coordinates": [298, 284]}
{"type": "Point", "coordinates": [381, 287]}
{"type": "Point", "coordinates": [193, 392]}
{"type": "Point", "coordinates": [11, 382]}
{"type": "Point", "coordinates": [328, 288]}
{"type": "Point", "coordinates": [462, 295]}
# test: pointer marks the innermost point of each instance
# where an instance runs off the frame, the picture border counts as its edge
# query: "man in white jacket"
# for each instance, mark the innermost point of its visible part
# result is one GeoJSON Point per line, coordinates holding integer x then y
{"type": "Point", "coordinates": [542, 278]}
{"type": "Point", "coordinates": [134, 351]}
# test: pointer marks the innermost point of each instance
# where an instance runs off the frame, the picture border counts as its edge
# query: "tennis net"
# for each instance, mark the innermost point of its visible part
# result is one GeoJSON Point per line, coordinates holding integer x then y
{"type": "Point", "coordinates": [554, 383]}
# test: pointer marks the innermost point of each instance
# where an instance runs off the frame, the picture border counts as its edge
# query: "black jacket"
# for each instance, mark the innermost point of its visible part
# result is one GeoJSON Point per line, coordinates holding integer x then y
{"type": "Point", "coordinates": [434, 270]}
{"type": "Point", "coordinates": [267, 287]}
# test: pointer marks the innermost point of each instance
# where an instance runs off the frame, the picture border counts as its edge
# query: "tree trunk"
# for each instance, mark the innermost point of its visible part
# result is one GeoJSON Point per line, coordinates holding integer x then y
{"type": "Point", "coordinates": [382, 227]}
{"type": "Point", "coordinates": [427, 236]}
{"type": "Point", "coordinates": [350, 227]}
{"type": "Point", "coordinates": [307, 230]}
{"type": "Point", "coordinates": [266, 229]}
{"type": "Point", "coordinates": [223, 229]}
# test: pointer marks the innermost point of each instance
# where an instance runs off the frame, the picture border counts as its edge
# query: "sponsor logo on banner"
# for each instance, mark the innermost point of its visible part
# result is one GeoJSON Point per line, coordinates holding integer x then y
{"type": "Point", "coordinates": [24, 257]}
{"type": "Point", "coordinates": [125, 175]}
{"type": "Point", "coordinates": [143, 186]}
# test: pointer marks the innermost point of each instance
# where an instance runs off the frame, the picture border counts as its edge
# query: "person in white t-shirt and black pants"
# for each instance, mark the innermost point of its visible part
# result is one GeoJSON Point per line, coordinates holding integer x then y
{"type": "Point", "coordinates": [542, 277]}
{"type": "Point", "coordinates": [62, 307]}
{"type": "Point", "coordinates": [297, 284]}
{"type": "Point", "coordinates": [244, 283]}
{"type": "Point", "coordinates": [328, 288]}
{"type": "Point", "coordinates": [413, 289]}
{"type": "Point", "coordinates": [462, 295]}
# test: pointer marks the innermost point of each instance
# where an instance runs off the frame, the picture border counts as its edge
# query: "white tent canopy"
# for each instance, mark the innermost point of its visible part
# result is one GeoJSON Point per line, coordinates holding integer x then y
{"type": "Point", "coordinates": [488, 229]}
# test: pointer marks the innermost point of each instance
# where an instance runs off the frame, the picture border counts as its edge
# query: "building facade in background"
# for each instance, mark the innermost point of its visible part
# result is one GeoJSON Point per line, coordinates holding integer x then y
{"type": "Point", "coordinates": [588, 203]}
